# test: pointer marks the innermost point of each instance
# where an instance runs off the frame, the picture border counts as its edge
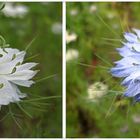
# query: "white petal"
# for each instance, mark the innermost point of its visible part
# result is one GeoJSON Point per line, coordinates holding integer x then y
{"type": "Point", "coordinates": [26, 66]}
{"type": "Point", "coordinates": [7, 56]}
{"type": "Point", "coordinates": [24, 83]}
{"type": "Point", "coordinates": [20, 56]}
{"type": "Point", "coordinates": [7, 68]}
{"type": "Point", "coordinates": [20, 94]}
{"type": "Point", "coordinates": [21, 75]}
{"type": "Point", "coordinates": [7, 93]}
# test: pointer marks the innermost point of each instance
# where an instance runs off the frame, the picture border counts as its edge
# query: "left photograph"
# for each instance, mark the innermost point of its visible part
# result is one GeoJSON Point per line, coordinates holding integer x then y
{"type": "Point", "coordinates": [31, 70]}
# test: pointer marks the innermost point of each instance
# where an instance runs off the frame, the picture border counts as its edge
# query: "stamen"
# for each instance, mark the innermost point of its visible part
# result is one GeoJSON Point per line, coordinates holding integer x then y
{"type": "Point", "coordinates": [18, 64]}
{"type": "Point", "coordinates": [14, 56]}
{"type": "Point", "coordinates": [136, 80]}
{"type": "Point", "coordinates": [134, 49]}
{"type": "Point", "coordinates": [14, 70]}
{"type": "Point", "coordinates": [1, 85]}
{"type": "Point", "coordinates": [135, 64]}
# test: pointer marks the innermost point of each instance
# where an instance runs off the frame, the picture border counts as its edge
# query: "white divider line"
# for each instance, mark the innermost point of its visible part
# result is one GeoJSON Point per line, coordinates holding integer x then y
{"type": "Point", "coordinates": [64, 69]}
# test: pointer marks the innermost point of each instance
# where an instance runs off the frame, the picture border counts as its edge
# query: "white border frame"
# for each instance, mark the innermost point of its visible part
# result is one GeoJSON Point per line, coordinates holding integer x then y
{"type": "Point", "coordinates": [63, 2]}
{"type": "Point", "coordinates": [64, 70]}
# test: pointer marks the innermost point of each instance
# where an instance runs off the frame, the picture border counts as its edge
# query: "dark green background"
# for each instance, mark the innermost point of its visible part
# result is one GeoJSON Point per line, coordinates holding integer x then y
{"type": "Point", "coordinates": [18, 32]}
{"type": "Point", "coordinates": [86, 118]}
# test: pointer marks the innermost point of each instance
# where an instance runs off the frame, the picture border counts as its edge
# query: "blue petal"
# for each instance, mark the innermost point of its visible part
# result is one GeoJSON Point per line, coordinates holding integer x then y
{"type": "Point", "coordinates": [126, 82]}
{"type": "Point", "coordinates": [133, 89]}
{"type": "Point", "coordinates": [134, 46]}
{"type": "Point", "coordinates": [136, 58]}
{"type": "Point", "coordinates": [125, 51]}
{"type": "Point", "coordinates": [134, 76]}
{"type": "Point", "coordinates": [137, 32]}
{"type": "Point", "coordinates": [130, 37]}
{"type": "Point", "coordinates": [129, 60]}
{"type": "Point", "coordinates": [137, 98]}
{"type": "Point", "coordinates": [121, 72]}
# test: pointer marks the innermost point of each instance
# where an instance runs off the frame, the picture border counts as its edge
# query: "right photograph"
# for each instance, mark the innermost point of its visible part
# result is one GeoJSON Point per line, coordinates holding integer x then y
{"type": "Point", "coordinates": [103, 69]}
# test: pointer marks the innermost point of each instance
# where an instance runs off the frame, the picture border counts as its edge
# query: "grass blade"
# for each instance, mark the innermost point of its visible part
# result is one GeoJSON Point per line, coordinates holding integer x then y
{"type": "Point", "coordinates": [45, 78]}
{"type": "Point", "coordinates": [24, 110]}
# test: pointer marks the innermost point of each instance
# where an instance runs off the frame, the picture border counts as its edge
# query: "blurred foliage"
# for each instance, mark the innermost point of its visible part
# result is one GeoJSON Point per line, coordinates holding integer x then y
{"type": "Point", "coordinates": [99, 27]}
{"type": "Point", "coordinates": [47, 46]}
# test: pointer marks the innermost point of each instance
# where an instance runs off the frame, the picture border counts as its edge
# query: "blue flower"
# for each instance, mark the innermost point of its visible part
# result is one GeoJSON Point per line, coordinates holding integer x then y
{"type": "Point", "coordinates": [129, 66]}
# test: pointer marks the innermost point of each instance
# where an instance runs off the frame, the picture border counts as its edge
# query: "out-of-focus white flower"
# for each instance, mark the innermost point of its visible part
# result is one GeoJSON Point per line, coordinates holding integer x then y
{"type": "Point", "coordinates": [115, 26]}
{"type": "Point", "coordinates": [110, 15]}
{"type": "Point", "coordinates": [72, 54]}
{"type": "Point", "coordinates": [92, 8]}
{"type": "Point", "coordinates": [136, 118]}
{"type": "Point", "coordinates": [57, 28]}
{"type": "Point", "coordinates": [73, 12]}
{"type": "Point", "coordinates": [97, 90]}
{"type": "Point", "coordinates": [70, 37]}
{"type": "Point", "coordinates": [124, 129]}
{"type": "Point", "coordinates": [14, 10]}
{"type": "Point", "coordinates": [14, 73]}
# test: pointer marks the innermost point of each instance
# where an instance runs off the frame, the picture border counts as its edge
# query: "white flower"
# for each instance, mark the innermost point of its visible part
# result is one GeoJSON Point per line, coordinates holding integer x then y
{"type": "Point", "coordinates": [136, 118]}
{"type": "Point", "coordinates": [70, 37]}
{"type": "Point", "coordinates": [73, 12]}
{"type": "Point", "coordinates": [97, 90]}
{"type": "Point", "coordinates": [71, 54]}
{"type": "Point", "coordinates": [14, 73]}
{"type": "Point", "coordinates": [115, 26]}
{"type": "Point", "coordinates": [124, 129]}
{"type": "Point", "coordinates": [92, 8]}
{"type": "Point", "coordinates": [57, 28]}
{"type": "Point", "coordinates": [14, 10]}
{"type": "Point", "coordinates": [110, 15]}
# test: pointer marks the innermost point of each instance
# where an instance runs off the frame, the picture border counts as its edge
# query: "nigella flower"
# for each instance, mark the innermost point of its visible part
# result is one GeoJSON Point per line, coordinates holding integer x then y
{"type": "Point", "coordinates": [129, 66]}
{"type": "Point", "coordinates": [57, 28]}
{"type": "Point", "coordinates": [97, 90]}
{"type": "Point", "coordinates": [15, 10]}
{"type": "Point", "coordinates": [70, 37]}
{"type": "Point", "coordinates": [13, 73]}
{"type": "Point", "coordinates": [72, 54]}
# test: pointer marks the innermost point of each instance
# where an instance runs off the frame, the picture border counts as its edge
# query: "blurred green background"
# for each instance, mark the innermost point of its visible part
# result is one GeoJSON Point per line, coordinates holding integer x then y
{"type": "Point", "coordinates": [20, 24]}
{"type": "Point", "coordinates": [99, 28]}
